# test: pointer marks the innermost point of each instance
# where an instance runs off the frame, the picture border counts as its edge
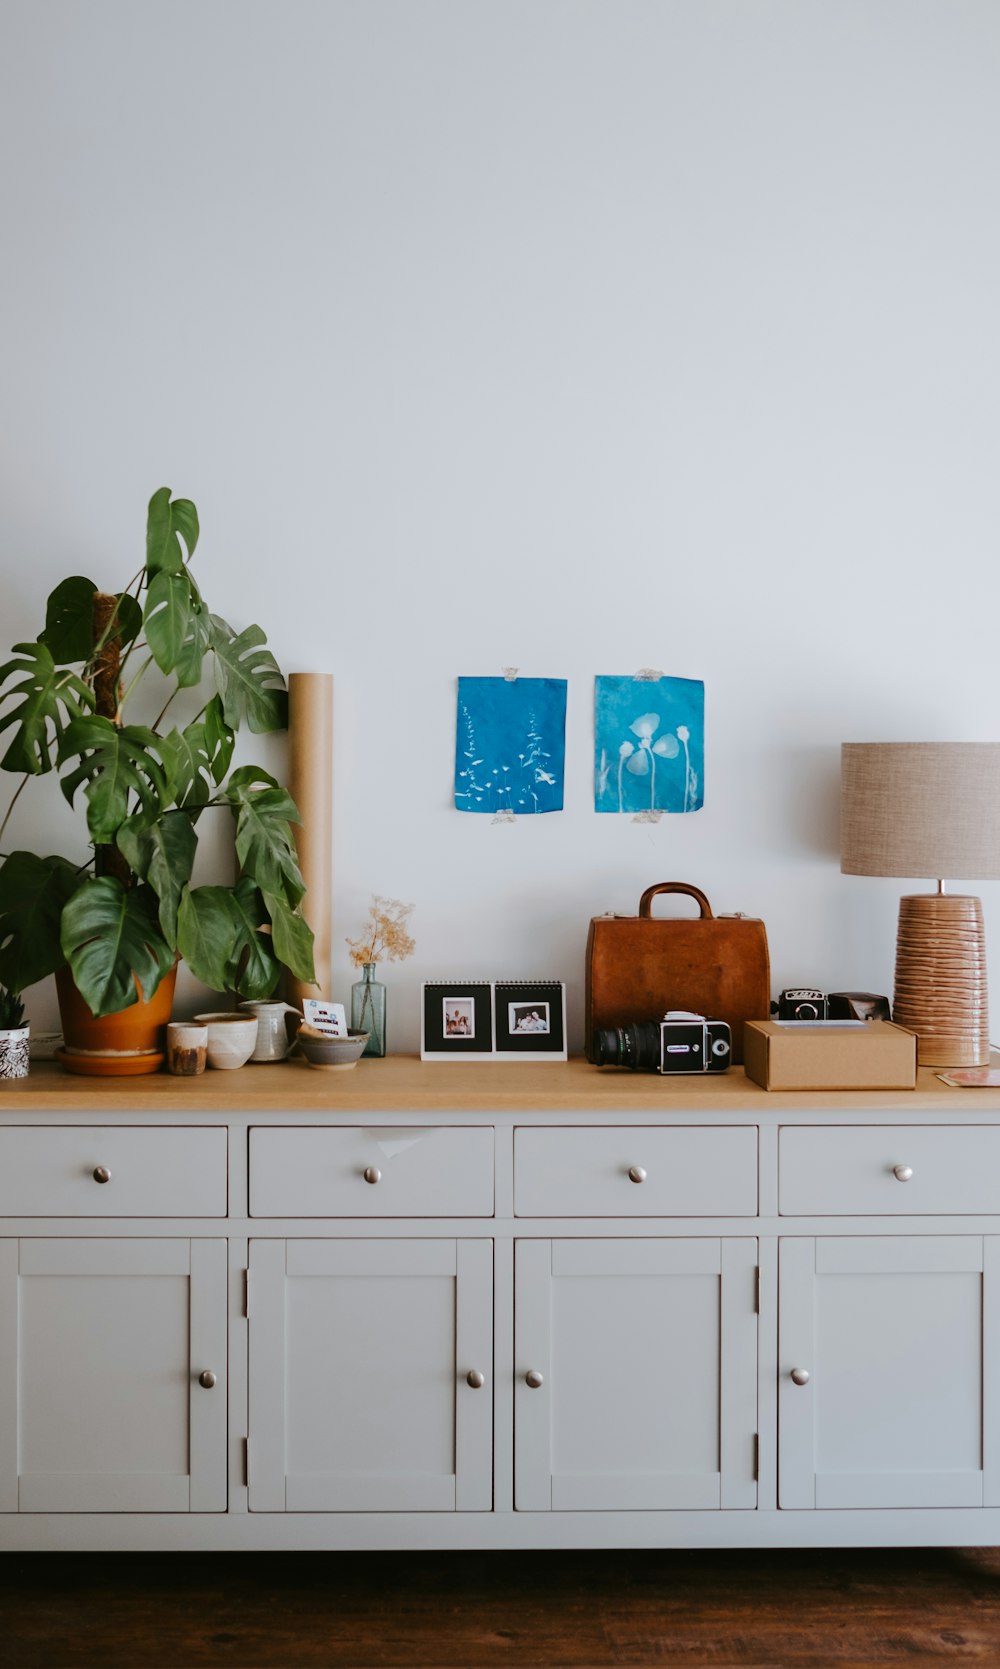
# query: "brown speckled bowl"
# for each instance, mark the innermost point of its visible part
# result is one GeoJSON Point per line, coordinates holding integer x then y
{"type": "Point", "coordinates": [333, 1054]}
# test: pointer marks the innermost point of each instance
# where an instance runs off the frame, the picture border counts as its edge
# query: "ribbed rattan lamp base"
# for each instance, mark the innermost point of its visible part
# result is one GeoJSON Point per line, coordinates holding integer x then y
{"type": "Point", "coordinates": [941, 978]}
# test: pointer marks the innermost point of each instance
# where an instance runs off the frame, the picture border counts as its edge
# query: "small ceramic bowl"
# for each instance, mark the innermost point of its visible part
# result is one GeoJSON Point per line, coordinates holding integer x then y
{"type": "Point", "coordinates": [333, 1054]}
{"type": "Point", "coordinates": [231, 1039]}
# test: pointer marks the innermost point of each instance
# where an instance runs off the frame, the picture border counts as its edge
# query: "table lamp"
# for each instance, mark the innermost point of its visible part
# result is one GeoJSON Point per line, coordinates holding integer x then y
{"type": "Point", "coordinates": [929, 809]}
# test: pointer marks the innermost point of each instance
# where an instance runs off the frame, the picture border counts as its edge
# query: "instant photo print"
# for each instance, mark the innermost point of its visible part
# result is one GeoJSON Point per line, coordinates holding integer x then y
{"type": "Point", "coordinates": [530, 1019]}
{"type": "Point", "coordinates": [457, 1020]}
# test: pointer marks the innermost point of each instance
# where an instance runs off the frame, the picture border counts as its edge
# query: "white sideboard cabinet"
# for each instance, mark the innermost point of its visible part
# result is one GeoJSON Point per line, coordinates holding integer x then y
{"type": "Point", "coordinates": [445, 1305]}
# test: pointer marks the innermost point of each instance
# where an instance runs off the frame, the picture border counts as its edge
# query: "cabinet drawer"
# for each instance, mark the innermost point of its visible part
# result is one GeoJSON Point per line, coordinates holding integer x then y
{"type": "Point", "coordinates": [156, 1171]}
{"type": "Point", "coordinates": [371, 1172]}
{"type": "Point", "coordinates": [636, 1171]}
{"type": "Point", "coordinates": [841, 1171]}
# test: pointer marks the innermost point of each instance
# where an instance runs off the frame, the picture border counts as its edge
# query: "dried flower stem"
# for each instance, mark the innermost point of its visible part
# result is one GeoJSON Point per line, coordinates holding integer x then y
{"type": "Point", "coordinates": [385, 934]}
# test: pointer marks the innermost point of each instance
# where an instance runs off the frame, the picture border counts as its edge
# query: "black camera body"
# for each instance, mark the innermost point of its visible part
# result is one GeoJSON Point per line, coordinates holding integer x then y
{"type": "Point", "coordinates": [802, 1003]}
{"type": "Point", "coordinates": [680, 1042]}
{"type": "Point", "coordinates": [805, 1003]}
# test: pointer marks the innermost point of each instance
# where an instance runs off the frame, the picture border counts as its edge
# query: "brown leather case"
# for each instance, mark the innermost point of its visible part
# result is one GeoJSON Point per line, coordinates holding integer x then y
{"type": "Point", "coordinates": [638, 967]}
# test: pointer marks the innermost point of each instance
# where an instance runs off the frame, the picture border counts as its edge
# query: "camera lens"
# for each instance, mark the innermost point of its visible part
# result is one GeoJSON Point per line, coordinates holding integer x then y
{"type": "Point", "coordinates": [806, 1011]}
{"type": "Point", "coordinates": [606, 1048]}
{"type": "Point", "coordinates": [636, 1046]}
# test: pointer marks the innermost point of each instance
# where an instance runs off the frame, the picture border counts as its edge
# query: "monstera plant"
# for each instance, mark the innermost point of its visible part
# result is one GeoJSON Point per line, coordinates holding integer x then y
{"type": "Point", "coordinates": [120, 920]}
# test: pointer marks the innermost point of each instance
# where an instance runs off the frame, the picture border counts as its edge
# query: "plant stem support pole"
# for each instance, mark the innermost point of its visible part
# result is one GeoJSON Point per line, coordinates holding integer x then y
{"type": "Point", "coordinates": [107, 695]}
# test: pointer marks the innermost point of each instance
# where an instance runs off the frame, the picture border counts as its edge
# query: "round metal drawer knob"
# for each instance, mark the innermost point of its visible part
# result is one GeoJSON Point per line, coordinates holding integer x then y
{"type": "Point", "coordinates": [372, 1174]}
{"type": "Point", "coordinates": [800, 1376]}
{"type": "Point", "coordinates": [102, 1174]}
{"type": "Point", "coordinates": [902, 1173]}
{"type": "Point", "coordinates": [206, 1379]}
{"type": "Point", "coordinates": [636, 1173]}
{"type": "Point", "coordinates": [534, 1379]}
{"type": "Point", "coordinates": [475, 1379]}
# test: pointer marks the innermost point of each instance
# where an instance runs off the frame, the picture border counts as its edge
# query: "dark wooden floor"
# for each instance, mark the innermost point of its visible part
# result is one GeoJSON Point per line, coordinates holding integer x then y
{"type": "Point", "coordinates": [486, 1610]}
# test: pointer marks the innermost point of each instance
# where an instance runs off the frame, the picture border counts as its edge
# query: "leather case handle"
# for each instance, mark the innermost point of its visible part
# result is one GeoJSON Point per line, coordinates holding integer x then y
{"type": "Point", "coordinates": [650, 893]}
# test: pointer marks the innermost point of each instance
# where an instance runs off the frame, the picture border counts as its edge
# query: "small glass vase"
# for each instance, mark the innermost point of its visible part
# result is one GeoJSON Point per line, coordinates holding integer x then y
{"type": "Point", "coordinates": [368, 1009]}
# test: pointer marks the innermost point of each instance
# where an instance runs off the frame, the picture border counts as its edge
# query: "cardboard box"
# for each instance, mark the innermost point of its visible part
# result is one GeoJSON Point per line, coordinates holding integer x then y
{"type": "Point", "coordinates": [872, 1054]}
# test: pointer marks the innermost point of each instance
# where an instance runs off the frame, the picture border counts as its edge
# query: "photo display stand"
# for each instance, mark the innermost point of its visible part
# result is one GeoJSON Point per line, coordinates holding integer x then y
{"type": "Point", "coordinates": [493, 1020]}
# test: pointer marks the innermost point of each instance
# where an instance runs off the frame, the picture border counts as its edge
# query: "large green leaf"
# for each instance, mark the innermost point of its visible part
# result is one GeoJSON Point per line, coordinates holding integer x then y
{"type": "Point", "coordinates": [32, 894]}
{"type": "Point", "coordinates": [220, 738]}
{"type": "Point", "coordinates": [109, 935]}
{"type": "Point", "coordinates": [69, 620]}
{"type": "Point", "coordinates": [163, 524]}
{"type": "Point", "coordinates": [187, 764]}
{"type": "Point", "coordinates": [167, 616]}
{"type": "Point", "coordinates": [264, 843]}
{"type": "Point", "coordinates": [163, 854]}
{"type": "Point", "coordinates": [222, 936]}
{"type": "Point", "coordinates": [255, 970]}
{"type": "Point", "coordinates": [190, 659]}
{"type": "Point", "coordinates": [206, 933]}
{"type": "Point", "coordinates": [250, 680]}
{"type": "Point", "coordinates": [184, 518]}
{"type": "Point", "coordinates": [292, 937]}
{"type": "Point", "coordinates": [114, 763]}
{"type": "Point", "coordinates": [50, 695]}
{"type": "Point", "coordinates": [197, 757]}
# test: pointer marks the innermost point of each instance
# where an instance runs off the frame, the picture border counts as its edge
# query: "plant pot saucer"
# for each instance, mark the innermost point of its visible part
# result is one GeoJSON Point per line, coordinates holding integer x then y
{"type": "Point", "coordinates": [111, 1066]}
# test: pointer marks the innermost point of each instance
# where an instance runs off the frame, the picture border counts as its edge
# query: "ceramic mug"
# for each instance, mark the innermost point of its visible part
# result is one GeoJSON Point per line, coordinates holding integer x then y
{"type": "Point", "coordinates": [231, 1039]}
{"type": "Point", "coordinates": [187, 1048]}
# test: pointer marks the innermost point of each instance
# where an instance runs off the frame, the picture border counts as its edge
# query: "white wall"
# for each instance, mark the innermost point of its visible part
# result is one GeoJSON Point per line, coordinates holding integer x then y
{"type": "Point", "coordinates": [577, 335]}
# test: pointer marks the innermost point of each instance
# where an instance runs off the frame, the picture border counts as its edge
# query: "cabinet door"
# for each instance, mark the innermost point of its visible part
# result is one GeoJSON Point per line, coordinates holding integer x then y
{"type": "Point", "coordinates": [647, 1357]}
{"type": "Point", "coordinates": [102, 1344]}
{"type": "Point", "coordinates": [371, 1383]}
{"type": "Point", "coordinates": [893, 1344]}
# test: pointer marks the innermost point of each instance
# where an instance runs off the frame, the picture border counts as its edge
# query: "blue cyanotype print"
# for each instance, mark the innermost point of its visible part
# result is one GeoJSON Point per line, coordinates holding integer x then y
{"type": "Point", "coordinates": [510, 749]}
{"type": "Point", "coordinates": [649, 744]}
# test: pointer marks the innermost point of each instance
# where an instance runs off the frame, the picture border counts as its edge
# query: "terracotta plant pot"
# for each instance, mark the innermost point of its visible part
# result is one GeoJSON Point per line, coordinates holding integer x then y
{"type": "Point", "coordinates": [130, 1034]}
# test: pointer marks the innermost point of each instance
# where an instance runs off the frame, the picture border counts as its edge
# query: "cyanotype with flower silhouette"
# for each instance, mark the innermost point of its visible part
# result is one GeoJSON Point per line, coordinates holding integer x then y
{"type": "Point", "coordinates": [649, 744]}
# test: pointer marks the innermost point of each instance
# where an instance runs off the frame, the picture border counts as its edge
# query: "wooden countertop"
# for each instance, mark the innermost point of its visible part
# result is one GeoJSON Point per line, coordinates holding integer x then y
{"type": "Point", "coordinates": [402, 1083]}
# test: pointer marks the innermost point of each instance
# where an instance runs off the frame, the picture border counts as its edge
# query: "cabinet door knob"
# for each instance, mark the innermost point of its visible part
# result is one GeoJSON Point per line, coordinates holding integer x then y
{"type": "Point", "coordinates": [534, 1379]}
{"type": "Point", "coordinates": [636, 1173]}
{"type": "Point", "coordinates": [102, 1174]}
{"type": "Point", "coordinates": [800, 1376]}
{"type": "Point", "coordinates": [475, 1379]}
{"type": "Point", "coordinates": [372, 1174]}
{"type": "Point", "coordinates": [902, 1173]}
{"type": "Point", "coordinates": [206, 1379]}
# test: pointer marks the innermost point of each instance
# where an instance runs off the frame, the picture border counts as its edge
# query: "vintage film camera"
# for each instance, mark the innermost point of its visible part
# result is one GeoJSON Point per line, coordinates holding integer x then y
{"type": "Point", "coordinates": [681, 1042]}
{"type": "Point", "coordinates": [801, 1002]}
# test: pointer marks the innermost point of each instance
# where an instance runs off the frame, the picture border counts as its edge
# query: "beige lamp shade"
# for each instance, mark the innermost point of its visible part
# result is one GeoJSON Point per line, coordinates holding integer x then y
{"type": "Point", "coordinates": [920, 808]}
{"type": "Point", "coordinates": [929, 809]}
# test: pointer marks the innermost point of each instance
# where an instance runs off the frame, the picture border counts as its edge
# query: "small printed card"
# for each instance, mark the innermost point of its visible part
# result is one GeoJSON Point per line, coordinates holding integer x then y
{"type": "Point", "coordinates": [975, 1077]}
{"type": "Point", "coordinates": [328, 1018]}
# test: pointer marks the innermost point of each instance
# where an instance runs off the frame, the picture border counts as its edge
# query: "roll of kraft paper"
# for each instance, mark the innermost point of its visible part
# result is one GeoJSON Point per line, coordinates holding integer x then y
{"type": "Point", "coordinates": [310, 773]}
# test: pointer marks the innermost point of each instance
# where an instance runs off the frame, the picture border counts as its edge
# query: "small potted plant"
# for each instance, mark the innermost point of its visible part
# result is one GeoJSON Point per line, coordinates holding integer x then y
{"type": "Point", "coordinates": [13, 1036]}
{"type": "Point", "coordinates": [112, 926]}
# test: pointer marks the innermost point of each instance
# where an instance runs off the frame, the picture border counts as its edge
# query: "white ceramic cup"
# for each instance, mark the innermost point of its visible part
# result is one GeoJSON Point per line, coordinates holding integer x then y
{"type": "Point", "coordinates": [231, 1039]}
